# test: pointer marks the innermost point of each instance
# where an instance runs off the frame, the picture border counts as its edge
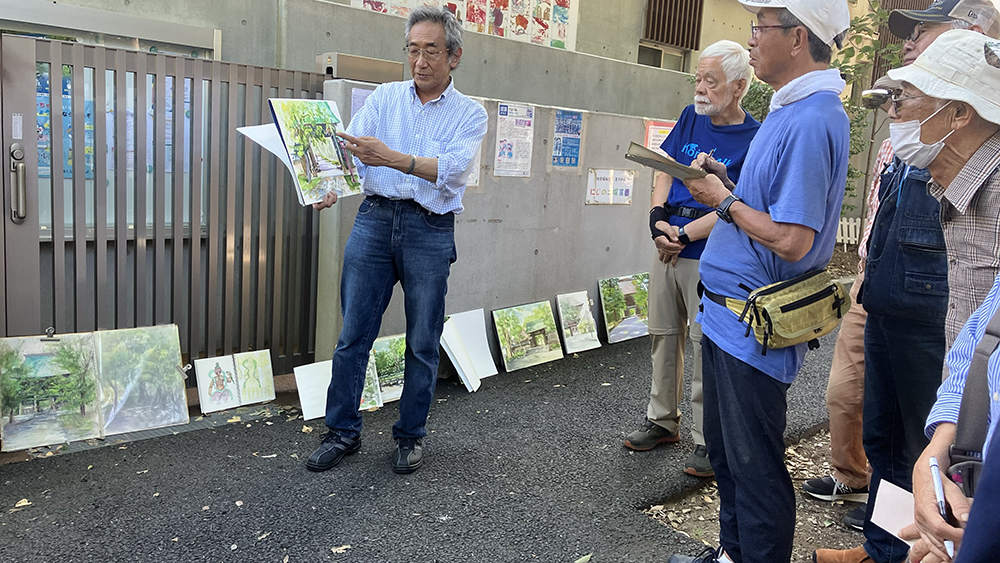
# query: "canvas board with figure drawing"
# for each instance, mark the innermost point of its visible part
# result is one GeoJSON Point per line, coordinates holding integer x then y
{"type": "Point", "coordinates": [527, 335]}
{"type": "Point", "coordinates": [48, 391]}
{"type": "Point", "coordinates": [304, 137]}
{"type": "Point", "coordinates": [389, 365]}
{"type": "Point", "coordinates": [142, 385]}
{"type": "Point", "coordinates": [254, 376]}
{"type": "Point", "coordinates": [625, 304]}
{"type": "Point", "coordinates": [579, 328]}
{"type": "Point", "coordinates": [217, 384]}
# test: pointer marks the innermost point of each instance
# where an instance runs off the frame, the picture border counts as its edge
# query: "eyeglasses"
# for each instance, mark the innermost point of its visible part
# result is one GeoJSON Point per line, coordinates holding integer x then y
{"type": "Point", "coordinates": [430, 54]}
{"type": "Point", "coordinates": [756, 29]}
{"type": "Point", "coordinates": [896, 99]}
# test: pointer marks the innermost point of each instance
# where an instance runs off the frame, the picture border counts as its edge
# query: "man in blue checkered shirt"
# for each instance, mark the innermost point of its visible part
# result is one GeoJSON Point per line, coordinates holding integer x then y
{"type": "Point", "coordinates": [414, 142]}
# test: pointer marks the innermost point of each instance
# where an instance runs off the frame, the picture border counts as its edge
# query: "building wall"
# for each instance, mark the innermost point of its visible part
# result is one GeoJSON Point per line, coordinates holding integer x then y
{"type": "Point", "coordinates": [611, 28]}
{"type": "Point", "coordinates": [290, 33]}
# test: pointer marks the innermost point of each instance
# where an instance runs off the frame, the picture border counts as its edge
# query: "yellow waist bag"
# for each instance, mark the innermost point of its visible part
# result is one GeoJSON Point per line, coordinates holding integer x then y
{"type": "Point", "coordinates": [791, 312]}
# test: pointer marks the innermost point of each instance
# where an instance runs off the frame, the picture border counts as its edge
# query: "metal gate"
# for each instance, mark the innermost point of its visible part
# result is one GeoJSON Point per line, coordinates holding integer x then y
{"type": "Point", "coordinates": [132, 200]}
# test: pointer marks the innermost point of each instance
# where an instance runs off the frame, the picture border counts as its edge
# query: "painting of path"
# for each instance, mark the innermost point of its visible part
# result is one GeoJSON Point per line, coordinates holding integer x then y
{"type": "Point", "coordinates": [141, 384]}
{"type": "Point", "coordinates": [390, 365]}
{"type": "Point", "coordinates": [578, 325]}
{"type": "Point", "coordinates": [48, 391]}
{"type": "Point", "coordinates": [625, 301]}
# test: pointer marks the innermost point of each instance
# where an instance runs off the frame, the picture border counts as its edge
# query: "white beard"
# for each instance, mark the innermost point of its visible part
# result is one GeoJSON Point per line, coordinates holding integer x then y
{"type": "Point", "coordinates": [702, 106]}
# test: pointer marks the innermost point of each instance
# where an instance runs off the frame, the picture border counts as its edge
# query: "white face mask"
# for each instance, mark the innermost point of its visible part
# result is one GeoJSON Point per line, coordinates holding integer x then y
{"type": "Point", "coordinates": [905, 139]}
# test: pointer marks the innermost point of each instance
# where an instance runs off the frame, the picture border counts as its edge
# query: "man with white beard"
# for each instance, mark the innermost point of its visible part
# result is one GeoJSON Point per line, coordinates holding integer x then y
{"type": "Point", "coordinates": [715, 124]}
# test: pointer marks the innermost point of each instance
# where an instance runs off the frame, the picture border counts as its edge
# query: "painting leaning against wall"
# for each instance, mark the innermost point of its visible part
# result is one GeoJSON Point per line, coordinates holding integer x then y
{"type": "Point", "coordinates": [625, 302]}
{"type": "Point", "coordinates": [48, 391]}
{"type": "Point", "coordinates": [527, 335]}
{"type": "Point", "coordinates": [140, 379]}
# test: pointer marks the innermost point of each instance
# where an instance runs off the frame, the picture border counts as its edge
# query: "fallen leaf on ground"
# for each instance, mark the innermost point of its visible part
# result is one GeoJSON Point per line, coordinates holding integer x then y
{"type": "Point", "coordinates": [156, 494]}
{"type": "Point", "coordinates": [141, 472]}
{"type": "Point", "coordinates": [285, 560]}
{"type": "Point", "coordinates": [232, 547]}
{"type": "Point", "coordinates": [269, 456]}
{"type": "Point", "coordinates": [122, 447]}
{"type": "Point", "coordinates": [89, 467]}
{"type": "Point", "coordinates": [269, 423]}
{"type": "Point", "coordinates": [296, 456]}
{"type": "Point", "coordinates": [174, 539]}
{"type": "Point", "coordinates": [605, 384]}
{"type": "Point", "coordinates": [205, 507]}
{"type": "Point", "coordinates": [584, 559]}
{"type": "Point", "coordinates": [307, 429]}
{"type": "Point", "coordinates": [341, 549]}
{"type": "Point", "coordinates": [708, 500]}
{"type": "Point", "coordinates": [22, 502]}
{"type": "Point", "coordinates": [239, 503]}
{"type": "Point", "coordinates": [235, 419]}
{"type": "Point", "coordinates": [264, 535]}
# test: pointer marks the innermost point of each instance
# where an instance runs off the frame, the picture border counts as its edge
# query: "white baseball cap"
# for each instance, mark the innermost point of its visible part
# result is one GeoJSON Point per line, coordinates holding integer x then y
{"type": "Point", "coordinates": [825, 18]}
{"type": "Point", "coordinates": [959, 65]}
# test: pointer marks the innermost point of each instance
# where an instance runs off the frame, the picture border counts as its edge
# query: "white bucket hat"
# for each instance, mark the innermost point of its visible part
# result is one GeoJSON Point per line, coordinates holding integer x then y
{"type": "Point", "coordinates": [825, 18]}
{"type": "Point", "coordinates": [959, 65]}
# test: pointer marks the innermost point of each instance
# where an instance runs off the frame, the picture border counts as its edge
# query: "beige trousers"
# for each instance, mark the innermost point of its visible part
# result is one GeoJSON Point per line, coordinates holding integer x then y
{"type": "Point", "coordinates": [673, 306]}
{"type": "Point", "coordinates": [845, 395]}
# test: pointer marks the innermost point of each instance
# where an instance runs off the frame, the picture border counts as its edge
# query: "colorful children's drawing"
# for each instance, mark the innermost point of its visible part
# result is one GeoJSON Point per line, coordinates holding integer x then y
{"type": "Point", "coordinates": [142, 386]}
{"type": "Point", "coordinates": [218, 388]}
{"type": "Point", "coordinates": [254, 375]}
{"type": "Point", "coordinates": [579, 328]}
{"type": "Point", "coordinates": [527, 335]}
{"type": "Point", "coordinates": [375, 6]}
{"type": "Point", "coordinates": [319, 160]}
{"type": "Point", "coordinates": [475, 15]}
{"type": "Point", "coordinates": [625, 302]}
{"type": "Point", "coordinates": [48, 391]}
{"type": "Point", "coordinates": [389, 365]}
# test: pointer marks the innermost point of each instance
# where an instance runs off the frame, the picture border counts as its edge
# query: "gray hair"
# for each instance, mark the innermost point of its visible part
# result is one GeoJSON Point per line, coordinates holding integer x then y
{"type": "Point", "coordinates": [820, 51]}
{"type": "Point", "coordinates": [443, 17]}
{"type": "Point", "coordinates": [960, 24]}
{"type": "Point", "coordinates": [735, 60]}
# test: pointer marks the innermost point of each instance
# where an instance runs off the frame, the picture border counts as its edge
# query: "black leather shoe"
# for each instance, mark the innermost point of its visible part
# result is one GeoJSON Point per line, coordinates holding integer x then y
{"type": "Point", "coordinates": [331, 451]}
{"type": "Point", "coordinates": [406, 458]}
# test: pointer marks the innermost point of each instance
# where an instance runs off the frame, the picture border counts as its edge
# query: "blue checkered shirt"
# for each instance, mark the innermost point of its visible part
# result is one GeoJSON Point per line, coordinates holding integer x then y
{"type": "Point", "coordinates": [449, 128]}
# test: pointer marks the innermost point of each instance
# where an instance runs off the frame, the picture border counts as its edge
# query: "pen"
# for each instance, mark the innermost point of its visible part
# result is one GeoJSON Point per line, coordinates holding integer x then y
{"type": "Point", "coordinates": [939, 493]}
{"type": "Point", "coordinates": [710, 153]}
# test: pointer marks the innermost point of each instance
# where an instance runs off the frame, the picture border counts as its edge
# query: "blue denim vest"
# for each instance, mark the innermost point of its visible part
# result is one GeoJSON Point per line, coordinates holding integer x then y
{"type": "Point", "coordinates": [906, 273]}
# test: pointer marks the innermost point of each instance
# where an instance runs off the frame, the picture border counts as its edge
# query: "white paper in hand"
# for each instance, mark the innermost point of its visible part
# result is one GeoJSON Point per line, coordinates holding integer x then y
{"type": "Point", "coordinates": [893, 509]}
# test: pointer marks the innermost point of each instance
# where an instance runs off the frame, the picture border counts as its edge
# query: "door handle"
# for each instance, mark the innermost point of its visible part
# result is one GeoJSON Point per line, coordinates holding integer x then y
{"type": "Point", "coordinates": [18, 192]}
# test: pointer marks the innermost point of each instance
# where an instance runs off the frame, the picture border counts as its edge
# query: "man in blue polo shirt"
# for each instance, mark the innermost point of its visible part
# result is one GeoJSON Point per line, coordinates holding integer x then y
{"type": "Point", "coordinates": [680, 225]}
{"type": "Point", "coordinates": [779, 222]}
{"type": "Point", "coordinates": [415, 141]}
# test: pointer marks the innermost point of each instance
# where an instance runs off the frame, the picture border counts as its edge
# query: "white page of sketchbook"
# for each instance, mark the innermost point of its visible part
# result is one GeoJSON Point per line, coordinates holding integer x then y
{"type": "Point", "coordinates": [256, 381]}
{"type": "Point", "coordinates": [471, 325]}
{"type": "Point", "coordinates": [312, 382]}
{"type": "Point", "coordinates": [268, 137]}
{"type": "Point", "coordinates": [451, 341]}
{"type": "Point", "coordinates": [217, 386]}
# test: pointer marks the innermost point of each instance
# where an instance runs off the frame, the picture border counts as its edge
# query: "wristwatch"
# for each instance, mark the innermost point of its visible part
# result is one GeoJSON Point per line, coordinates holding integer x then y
{"type": "Point", "coordinates": [682, 237]}
{"type": "Point", "coordinates": [723, 210]}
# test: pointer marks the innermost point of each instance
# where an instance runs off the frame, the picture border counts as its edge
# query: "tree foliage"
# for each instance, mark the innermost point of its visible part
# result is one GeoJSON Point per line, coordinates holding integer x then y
{"type": "Point", "coordinates": [78, 389]}
{"type": "Point", "coordinates": [12, 370]}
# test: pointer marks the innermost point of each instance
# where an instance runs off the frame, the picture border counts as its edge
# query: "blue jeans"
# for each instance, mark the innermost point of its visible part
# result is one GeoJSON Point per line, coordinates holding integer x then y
{"type": "Point", "coordinates": [903, 364]}
{"type": "Point", "coordinates": [744, 429]}
{"type": "Point", "coordinates": [392, 241]}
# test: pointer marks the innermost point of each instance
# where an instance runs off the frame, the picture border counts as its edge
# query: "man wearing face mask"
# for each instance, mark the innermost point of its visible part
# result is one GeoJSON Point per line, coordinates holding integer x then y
{"type": "Point", "coordinates": [906, 286]}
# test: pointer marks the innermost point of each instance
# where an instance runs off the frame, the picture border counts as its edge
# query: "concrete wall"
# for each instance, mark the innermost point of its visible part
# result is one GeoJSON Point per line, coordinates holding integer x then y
{"type": "Point", "coordinates": [611, 28]}
{"type": "Point", "coordinates": [290, 33]}
{"type": "Point", "coordinates": [519, 240]}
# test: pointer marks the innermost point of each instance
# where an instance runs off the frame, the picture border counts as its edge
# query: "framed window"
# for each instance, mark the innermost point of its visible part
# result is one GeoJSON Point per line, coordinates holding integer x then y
{"type": "Point", "coordinates": [674, 23]}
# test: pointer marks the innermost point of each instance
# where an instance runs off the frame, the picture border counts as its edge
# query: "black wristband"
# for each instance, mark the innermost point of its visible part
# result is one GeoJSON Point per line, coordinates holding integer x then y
{"type": "Point", "coordinates": [682, 237]}
{"type": "Point", "coordinates": [657, 213]}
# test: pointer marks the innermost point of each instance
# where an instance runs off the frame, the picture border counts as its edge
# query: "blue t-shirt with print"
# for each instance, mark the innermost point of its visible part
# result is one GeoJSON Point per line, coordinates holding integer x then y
{"type": "Point", "coordinates": [796, 171]}
{"type": "Point", "coordinates": [695, 134]}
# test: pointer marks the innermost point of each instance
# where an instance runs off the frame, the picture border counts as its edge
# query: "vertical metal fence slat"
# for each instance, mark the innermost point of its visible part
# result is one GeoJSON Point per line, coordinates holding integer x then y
{"type": "Point", "coordinates": [139, 213]}
{"type": "Point", "coordinates": [196, 343]}
{"type": "Point", "coordinates": [246, 313]}
{"type": "Point", "coordinates": [121, 191]}
{"type": "Point", "coordinates": [78, 123]}
{"type": "Point", "coordinates": [214, 337]}
{"type": "Point", "coordinates": [263, 265]}
{"type": "Point", "coordinates": [103, 311]}
{"type": "Point", "coordinates": [160, 309]}
{"type": "Point", "coordinates": [56, 129]}
{"type": "Point", "coordinates": [177, 209]}
{"type": "Point", "coordinates": [229, 297]}
{"type": "Point", "coordinates": [295, 299]}
{"type": "Point", "coordinates": [279, 345]}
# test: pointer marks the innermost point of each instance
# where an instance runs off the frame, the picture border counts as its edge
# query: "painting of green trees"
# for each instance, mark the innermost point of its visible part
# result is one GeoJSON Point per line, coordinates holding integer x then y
{"type": "Point", "coordinates": [625, 303]}
{"type": "Point", "coordinates": [321, 163]}
{"type": "Point", "coordinates": [578, 326]}
{"type": "Point", "coordinates": [141, 385]}
{"type": "Point", "coordinates": [48, 391]}
{"type": "Point", "coordinates": [527, 335]}
{"type": "Point", "coordinates": [371, 395]}
{"type": "Point", "coordinates": [389, 354]}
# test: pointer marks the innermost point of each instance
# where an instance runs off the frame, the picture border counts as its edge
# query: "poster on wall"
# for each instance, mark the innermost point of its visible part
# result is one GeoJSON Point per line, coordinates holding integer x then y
{"type": "Point", "coordinates": [566, 140]}
{"type": "Point", "coordinates": [656, 133]}
{"type": "Point", "coordinates": [515, 134]}
{"type": "Point", "coordinates": [608, 186]}
{"type": "Point", "coordinates": [43, 108]}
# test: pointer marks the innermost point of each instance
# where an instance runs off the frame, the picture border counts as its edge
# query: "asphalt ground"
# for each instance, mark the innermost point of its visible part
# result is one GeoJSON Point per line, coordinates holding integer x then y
{"type": "Point", "coordinates": [529, 468]}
